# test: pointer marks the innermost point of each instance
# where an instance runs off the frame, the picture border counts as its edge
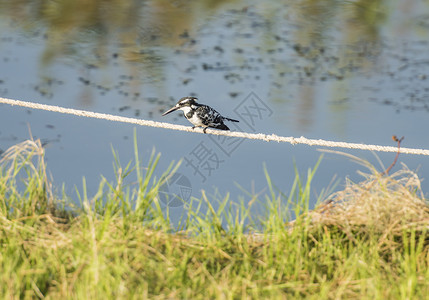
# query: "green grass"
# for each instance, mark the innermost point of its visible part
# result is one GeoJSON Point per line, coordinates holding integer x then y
{"type": "Point", "coordinates": [368, 241]}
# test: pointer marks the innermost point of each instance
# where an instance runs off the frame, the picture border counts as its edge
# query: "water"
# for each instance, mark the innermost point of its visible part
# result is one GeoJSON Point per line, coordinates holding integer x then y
{"type": "Point", "coordinates": [354, 72]}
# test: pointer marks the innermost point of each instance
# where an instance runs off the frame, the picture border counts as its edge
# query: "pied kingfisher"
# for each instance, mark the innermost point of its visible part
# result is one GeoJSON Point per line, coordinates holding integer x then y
{"type": "Point", "coordinates": [200, 115]}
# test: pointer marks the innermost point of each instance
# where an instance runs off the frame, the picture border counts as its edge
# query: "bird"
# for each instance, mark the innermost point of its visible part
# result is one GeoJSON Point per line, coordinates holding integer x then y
{"type": "Point", "coordinates": [200, 115]}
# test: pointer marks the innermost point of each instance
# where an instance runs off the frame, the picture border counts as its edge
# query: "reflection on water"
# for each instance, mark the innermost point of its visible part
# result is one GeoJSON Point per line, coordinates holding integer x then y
{"type": "Point", "coordinates": [70, 27]}
{"type": "Point", "coordinates": [309, 40]}
{"type": "Point", "coordinates": [292, 47]}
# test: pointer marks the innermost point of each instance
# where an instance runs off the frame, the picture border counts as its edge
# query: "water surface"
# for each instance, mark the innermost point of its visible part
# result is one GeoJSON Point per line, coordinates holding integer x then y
{"type": "Point", "coordinates": [354, 71]}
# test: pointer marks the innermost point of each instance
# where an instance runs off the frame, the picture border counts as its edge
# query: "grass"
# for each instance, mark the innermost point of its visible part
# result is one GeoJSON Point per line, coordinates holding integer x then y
{"type": "Point", "coordinates": [368, 241]}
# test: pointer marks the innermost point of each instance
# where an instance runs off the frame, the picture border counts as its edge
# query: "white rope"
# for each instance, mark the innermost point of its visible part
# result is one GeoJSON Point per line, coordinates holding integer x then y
{"type": "Point", "coordinates": [254, 136]}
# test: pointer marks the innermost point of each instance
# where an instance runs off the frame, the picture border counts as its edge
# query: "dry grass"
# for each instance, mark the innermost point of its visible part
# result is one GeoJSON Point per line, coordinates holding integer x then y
{"type": "Point", "coordinates": [383, 204]}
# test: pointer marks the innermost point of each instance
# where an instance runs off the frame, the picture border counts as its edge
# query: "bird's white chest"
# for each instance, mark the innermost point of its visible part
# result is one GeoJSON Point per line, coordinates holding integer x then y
{"type": "Point", "coordinates": [194, 118]}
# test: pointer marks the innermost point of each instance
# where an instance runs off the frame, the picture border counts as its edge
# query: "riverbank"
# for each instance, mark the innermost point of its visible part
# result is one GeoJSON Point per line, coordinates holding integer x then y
{"type": "Point", "coordinates": [369, 240]}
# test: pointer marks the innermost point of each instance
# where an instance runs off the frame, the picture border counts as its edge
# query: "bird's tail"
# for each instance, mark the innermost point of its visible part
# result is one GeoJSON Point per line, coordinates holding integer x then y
{"type": "Point", "coordinates": [222, 126]}
{"type": "Point", "coordinates": [232, 120]}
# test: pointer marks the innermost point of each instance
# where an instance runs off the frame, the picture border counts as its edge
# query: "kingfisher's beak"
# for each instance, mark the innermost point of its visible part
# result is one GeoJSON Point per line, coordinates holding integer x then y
{"type": "Point", "coordinates": [171, 110]}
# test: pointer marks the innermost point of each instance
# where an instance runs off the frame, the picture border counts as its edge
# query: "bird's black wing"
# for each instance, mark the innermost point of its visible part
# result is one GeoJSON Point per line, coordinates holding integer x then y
{"type": "Point", "coordinates": [211, 117]}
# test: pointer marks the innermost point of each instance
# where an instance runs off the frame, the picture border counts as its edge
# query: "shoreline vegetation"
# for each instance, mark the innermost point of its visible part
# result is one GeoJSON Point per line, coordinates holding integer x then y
{"type": "Point", "coordinates": [368, 241]}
